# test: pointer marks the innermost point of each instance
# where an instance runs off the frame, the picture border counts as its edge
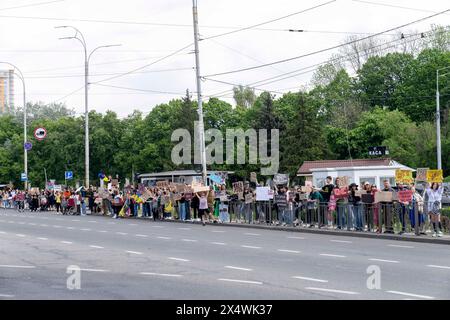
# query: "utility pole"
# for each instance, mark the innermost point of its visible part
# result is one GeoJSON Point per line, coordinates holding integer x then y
{"type": "Point", "coordinates": [438, 124]}
{"type": "Point", "coordinates": [199, 92]}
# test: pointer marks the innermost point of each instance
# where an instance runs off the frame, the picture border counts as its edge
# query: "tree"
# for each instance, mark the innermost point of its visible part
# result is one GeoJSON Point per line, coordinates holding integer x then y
{"type": "Point", "coordinates": [244, 96]}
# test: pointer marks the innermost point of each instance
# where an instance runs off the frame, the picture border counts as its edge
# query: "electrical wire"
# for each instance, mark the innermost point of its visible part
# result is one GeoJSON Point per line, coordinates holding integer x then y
{"type": "Point", "coordinates": [393, 6]}
{"type": "Point", "coordinates": [325, 49]}
{"type": "Point", "coordinates": [31, 5]}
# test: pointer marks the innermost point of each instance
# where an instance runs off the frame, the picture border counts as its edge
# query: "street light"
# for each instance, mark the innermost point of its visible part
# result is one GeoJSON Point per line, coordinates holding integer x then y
{"type": "Point", "coordinates": [19, 74]}
{"type": "Point", "coordinates": [438, 119]}
{"type": "Point", "coordinates": [79, 36]}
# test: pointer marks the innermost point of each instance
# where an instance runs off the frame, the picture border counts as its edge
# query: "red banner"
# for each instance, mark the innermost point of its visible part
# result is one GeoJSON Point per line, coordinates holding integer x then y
{"type": "Point", "coordinates": [405, 196]}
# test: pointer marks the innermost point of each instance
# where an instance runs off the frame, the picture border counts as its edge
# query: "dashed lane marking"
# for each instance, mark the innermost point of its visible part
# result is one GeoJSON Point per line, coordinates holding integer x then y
{"type": "Point", "coordinates": [240, 281]}
{"type": "Point", "coordinates": [310, 279]}
{"type": "Point", "coordinates": [238, 268]}
{"type": "Point", "coordinates": [332, 255]}
{"type": "Point", "coordinates": [160, 274]}
{"type": "Point", "coordinates": [410, 294]}
{"type": "Point", "coordinates": [331, 290]}
{"type": "Point", "coordinates": [178, 259]}
{"type": "Point", "coordinates": [382, 260]}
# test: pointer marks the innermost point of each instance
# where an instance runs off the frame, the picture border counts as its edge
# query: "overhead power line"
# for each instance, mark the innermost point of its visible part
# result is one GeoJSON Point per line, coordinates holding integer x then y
{"type": "Point", "coordinates": [269, 21]}
{"type": "Point", "coordinates": [393, 6]}
{"type": "Point", "coordinates": [142, 90]}
{"type": "Point", "coordinates": [31, 5]}
{"type": "Point", "coordinates": [326, 49]}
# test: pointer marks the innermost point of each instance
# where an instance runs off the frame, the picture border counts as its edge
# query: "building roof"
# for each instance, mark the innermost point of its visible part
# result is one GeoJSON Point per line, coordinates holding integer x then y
{"type": "Point", "coordinates": [307, 166]}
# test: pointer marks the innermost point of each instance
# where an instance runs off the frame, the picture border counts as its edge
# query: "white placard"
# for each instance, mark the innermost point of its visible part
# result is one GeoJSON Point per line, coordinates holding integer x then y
{"type": "Point", "coordinates": [262, 193]}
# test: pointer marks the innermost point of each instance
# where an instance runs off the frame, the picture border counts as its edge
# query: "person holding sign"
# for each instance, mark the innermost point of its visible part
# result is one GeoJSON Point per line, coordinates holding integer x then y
{"type": "Point", "coordinates": [434, 206]}
{"type": "Point", "coordinates": [416, 204]}
{"type": "Point", "coordinates": [203, 205]}
{"type": "Point", "coordinates": [387, 209]}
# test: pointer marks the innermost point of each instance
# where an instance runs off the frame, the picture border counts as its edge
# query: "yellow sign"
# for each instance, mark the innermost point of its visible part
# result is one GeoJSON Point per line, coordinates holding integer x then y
{"type": "Point", "coordinates": [435, 176]}
{"type": "Point", "coordinates": [403, 176]}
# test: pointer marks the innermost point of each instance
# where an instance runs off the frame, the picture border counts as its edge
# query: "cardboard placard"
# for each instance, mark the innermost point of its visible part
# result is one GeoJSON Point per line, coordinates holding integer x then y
{"type": "Point", "coordinates": [421, 174]}
{"type": "Point", "coordinates": [200, 189]}
{"type": "Point", "coordinates": [281, 179]}
{"type": "Point", "coordinates": [403, 176]}
{"type": "Point", "coordinates": [253, 177]}
{"type": "Point", "coordinates": [343, 182]}
{"type": "Point", "coordinates": [383, 196]}
{"type": "Point", "coordinates": [238, 187]}
{"type": "Point", "coordinates": [280, 200]}
{"type": "Point", "coordinates": [435, 176]}
{"type": "Point", "coordinates": [302, 196]}
{"type": "Point", "coordinates": [262, 193]}
{"type": "Point", "coordinates": [34, 191]}
{"type": "Point", "coordinates": [306, 189]}
{"type": "Point", "coordinates": [367, 198]}
{"type": "Point", "coordinates": [115, 182]}
{"type": "Point", "coordinates": [405, 195]}
{"type": "Point", "coordinates": [162, 184]}
{"type": "Point", "coordinates": [248, 198]}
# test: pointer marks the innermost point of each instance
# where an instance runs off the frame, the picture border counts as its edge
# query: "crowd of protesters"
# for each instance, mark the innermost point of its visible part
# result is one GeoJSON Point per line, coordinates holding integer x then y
{"type": "Point", "coordinates": [313, 208]}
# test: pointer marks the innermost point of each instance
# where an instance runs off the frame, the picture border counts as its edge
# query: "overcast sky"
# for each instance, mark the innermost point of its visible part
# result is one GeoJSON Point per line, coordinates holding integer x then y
{"type": "Point", "coordinates": [54, 68]}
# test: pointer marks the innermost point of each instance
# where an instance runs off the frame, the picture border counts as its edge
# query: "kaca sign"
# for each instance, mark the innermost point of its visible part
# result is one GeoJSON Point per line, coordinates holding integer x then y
{"type": "Point", "coordinates": [378, 151]}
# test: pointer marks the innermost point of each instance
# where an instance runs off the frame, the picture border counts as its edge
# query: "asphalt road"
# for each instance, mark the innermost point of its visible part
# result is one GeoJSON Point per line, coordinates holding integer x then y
{"type": "Point", "coordinates": [143, 259]}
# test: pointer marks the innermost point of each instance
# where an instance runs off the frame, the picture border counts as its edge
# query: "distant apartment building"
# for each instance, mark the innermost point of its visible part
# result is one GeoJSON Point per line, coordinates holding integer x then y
{"type": "Point", "coordinates": [6, 90]}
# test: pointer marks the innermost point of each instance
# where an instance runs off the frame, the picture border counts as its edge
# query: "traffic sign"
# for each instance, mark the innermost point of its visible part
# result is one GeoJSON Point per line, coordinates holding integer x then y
{"type": "Point", "coordinates": [68, 175]}
{"type": "Point", "coordinates": [40, 133]}
{"type": "Point", "coordinates": [23, 177]}
{"type": "Point", "coordinates": [28, 145]}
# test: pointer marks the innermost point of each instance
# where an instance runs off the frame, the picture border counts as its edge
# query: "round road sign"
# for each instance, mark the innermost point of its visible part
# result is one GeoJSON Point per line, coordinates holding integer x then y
{"type": "Point", "coordinates": [40, 133]}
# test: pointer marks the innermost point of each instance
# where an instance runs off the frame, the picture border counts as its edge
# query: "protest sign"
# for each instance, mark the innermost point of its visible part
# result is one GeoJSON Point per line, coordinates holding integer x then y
{"type": "Point", "coordinates": [162, 184]}
{"type": "Point", "coordinates": [343, 182]}
{"type": "Point", "coordinates": [281, 179]}
{"type": "Point", "coordinates": [302, 196]}
{"type": "Point", "coordinates": [405, 195]}
{"type": "Point", "coordinates": [248, 198]}
{"type": "Point", "coordinates": [253, 177]}
{"type": "Point", "coordinates": [306, 189]}
{"type": "Point", "coordinates": [238, 187]}
{"type": "Point", "coordinates": [383, 196]}
{"type": "Point", "coordinates": [57, 188]}
{"type": "Point", "coordinates": [280, 200]}
{"type": "Point", "coordinates": [435, 176]}
{"type": "Point", "coordinates": [421, 174]}
{"type": "Point", "coordinates": [115, 182]}
{"type": "Point", "coordinates": [197, 189]}
{"type": "Point", "coordinates": [216, 179]}
{"type": "Point", "coordinates": [340, 193]}
{"type": "Point", "coordinates": [403, 176]}
{"type": "Point", "coordinates": [102, 193]}
{"type": "Point", "coordinates": [262, 193]}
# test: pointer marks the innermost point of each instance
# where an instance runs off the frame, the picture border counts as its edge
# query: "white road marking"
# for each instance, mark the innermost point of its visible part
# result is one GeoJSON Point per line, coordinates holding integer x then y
{"type": "Point", "coordinates": [86, 229]}
{"type": "Point", "coordinates": [399, 246]}
{"type": "Point", "coordinates": [92, 221]}
{"type": "Point", "coordinates": [20, 235]}
{"type": "Point", "coordinates": [75, 220]}
{"type": "Point", "coordinates": [410, 294]}
{"type": "Point", "coordinates": [102, 231]}
{"type": "Point", "coordinates": [142, 235]}
{"type": "Point", "coordinates": [14, 266]}
{"type": "Point", "coordinates": [439, 267]}
{"type": "Point", "coordinates": [189, 240]}
{"type": "Point", "coordinates": [332, 290]}
{"type": "Point", "coordinates": [160, 274]}
{"type": "Point", "coordinates": [6, 296]}
{"type": "Point", "coordinates": [219, 243]}
{"type": "Point", "coordinates": [382, 260]}
{"type": "Point", "coordinates": [10, 221]}
{"type": "Point", "coordinates": [251, 234]}
{"type": "Point", "coordinates": [332, 255]}
{"type": "Point", "coordinates": [94, 270]}
{"type": "Point", "coordinates": [122, 233]}
{"type": "Point", "coordinates": [166, 238]}
{"type": "Point", "coordinates": [66, 242]}
{"type": "Point", "coordinates": [42, 238]}
{"type": "Point", "coordinates": [240, 281]}
{"type": "Point", "coordinates": [251, 247]}
{"type": "Point", "coordinates": [32, 224]}
{"type": "Point", "coordinates": [179, 259]}
{"type": "Point", "coordinates": [238, 268]}
{"type": "Point", "coordinates": [341, 241]}
{"type": "Point", "coordinates": [55, 226]}
{"type": "Point", "coordinates": [134, 252]}
{"type": "Point", "coordinates": [97, 247]}
{"type": "Point", "coordinates": [289, 251]}
{"type": "Point", "coordinates": [310, 279]}
{"type": "Point", "coordinates": [218, 231]}
{"type": "Point", "coordinates": [70, 228]}
{"type": "Point", "coordinates": [43, 225]}
{"type": "Point", "coordinates": [2, 232]}
{"type": "Point", "coordinates": [184, 228]}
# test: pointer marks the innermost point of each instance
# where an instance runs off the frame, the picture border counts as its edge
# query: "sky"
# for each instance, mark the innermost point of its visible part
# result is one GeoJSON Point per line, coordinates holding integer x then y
{"type": "Point", "coordinates": [154, 29]}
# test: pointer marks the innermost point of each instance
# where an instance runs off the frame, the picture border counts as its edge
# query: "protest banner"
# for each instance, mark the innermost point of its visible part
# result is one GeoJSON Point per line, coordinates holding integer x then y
{"type": "Point", "coordinates": [248, 198]}
{"type": "Point", "coordinates": [238, 187]}
{"type": "Point", "coordinates": [57, 188]}
{"type": "Point", "coordinates": [383, 196]}
{"type": "Point", "coordinates": [262, 193]}
{"type": "Point", "coordinates": [197, 189]}
{"type": "Point", "coordinates": [405, 195]}
{"type": "Point", "coordinates": [421, 174]}
{"type": "Point", "coordinates": [403, 176]}
{"type": "Point", "coordinates": [281, 179]}
{"type": "Point", "coordinates": [435, 176]}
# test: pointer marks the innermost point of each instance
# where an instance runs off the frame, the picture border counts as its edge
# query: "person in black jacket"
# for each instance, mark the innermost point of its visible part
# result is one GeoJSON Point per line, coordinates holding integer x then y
{"type": "Point", "coordinates": [354, 202]}
{"type": "Point", "coordinates": [195, 202]}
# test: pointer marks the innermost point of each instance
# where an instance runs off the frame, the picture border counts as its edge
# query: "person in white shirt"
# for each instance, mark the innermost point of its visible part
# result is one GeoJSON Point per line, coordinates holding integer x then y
{"type": "Point", "coordinates": [434, 206]}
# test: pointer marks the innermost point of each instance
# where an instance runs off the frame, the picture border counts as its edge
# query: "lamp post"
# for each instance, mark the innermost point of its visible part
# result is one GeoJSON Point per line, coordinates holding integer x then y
{"type": "Point", "coordinates": [19, 74]}
{"type": "Point", "coordinates": [438, 120]}
{"type": "Point", "coordinates": [79, 36]}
